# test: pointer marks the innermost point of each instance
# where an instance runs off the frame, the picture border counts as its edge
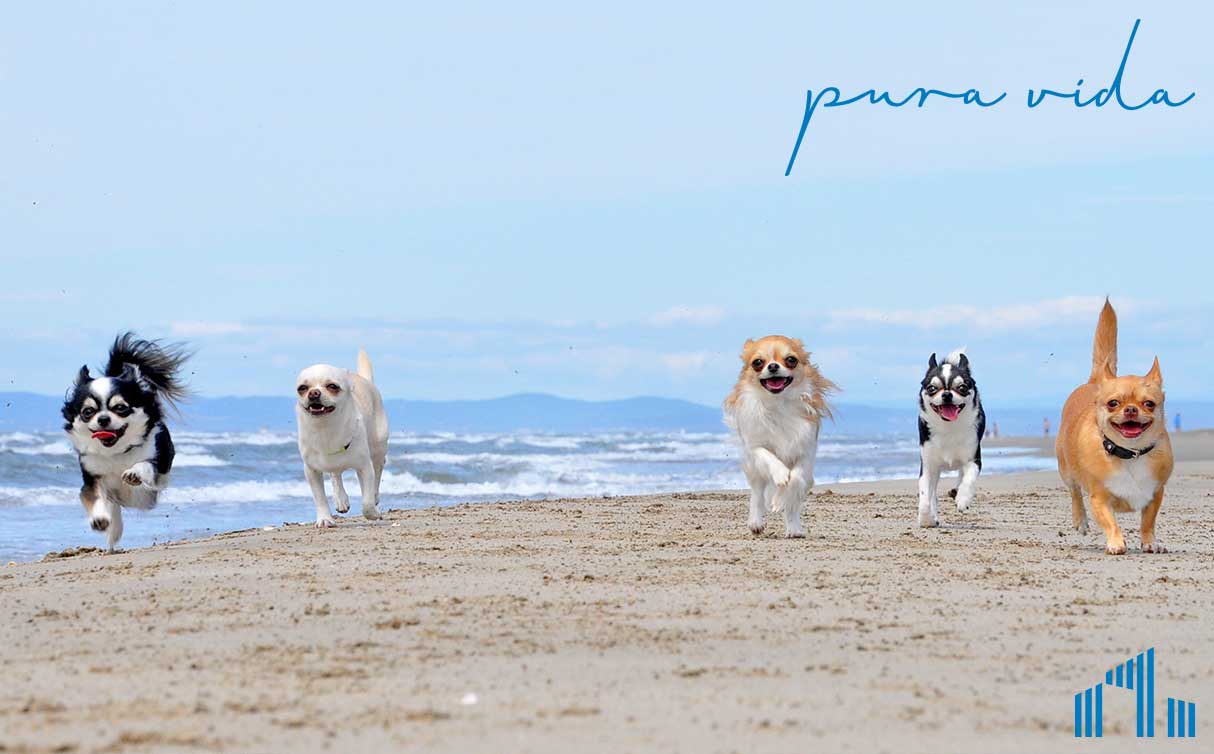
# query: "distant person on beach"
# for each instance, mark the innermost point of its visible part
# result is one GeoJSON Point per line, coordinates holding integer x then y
{"type": "Point", "coordinates": [1176, 421]}
{"type": "Point", "coordinates": [996, 430]}
{"type": "Point", "coordinates": [1045, 425]}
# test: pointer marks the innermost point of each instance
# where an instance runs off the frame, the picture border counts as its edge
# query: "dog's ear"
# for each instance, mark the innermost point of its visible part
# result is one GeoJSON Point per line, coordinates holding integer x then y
{"type": "Point", "coordinates": [964, 362]}
{"type": "Point", "coordinates": [1107, 372]}
{"type": "Point", "coordinates": [1155, 375]}
{"type": "Point", "coordinates": [132, 373]}
{"type": "Point", "coordinates": [83, 378]}
{"type": "Point", "coordinates": [931, 363]}
{"type": "Point", "coordinates": [746, 349]}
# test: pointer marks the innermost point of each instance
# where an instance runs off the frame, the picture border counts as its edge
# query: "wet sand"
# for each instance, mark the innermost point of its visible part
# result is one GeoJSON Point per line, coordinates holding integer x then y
{"type": "Point", "coordinates": [633, 624]}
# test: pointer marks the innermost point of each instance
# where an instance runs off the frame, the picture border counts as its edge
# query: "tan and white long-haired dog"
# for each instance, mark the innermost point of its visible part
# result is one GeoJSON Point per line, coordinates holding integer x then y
{"type": "Point", "coordinates": [777, 409]}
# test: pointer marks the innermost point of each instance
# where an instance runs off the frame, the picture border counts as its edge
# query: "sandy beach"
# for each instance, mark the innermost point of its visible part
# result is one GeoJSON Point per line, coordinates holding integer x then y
{"type": "Point", "coordinates": [633, 624]}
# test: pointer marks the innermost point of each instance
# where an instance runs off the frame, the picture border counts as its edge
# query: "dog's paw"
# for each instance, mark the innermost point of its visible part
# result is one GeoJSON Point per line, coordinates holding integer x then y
{"type": "Point", "coordinates": [342, 506]}
{"type": "Point", "coordinates": [777, 473]}
{"type": "Point", "coordinates": [756, 526]}
{"type": "Point", "coordinates": [963, 503]}
{"type": "Point", "coordinates": [1154, 547]}
{"type": "Point", "coordinates": [796, 532]}
{"type": "Point", "coordinates": [927, 520]}
{"type": "Point", "coordinates": [1115, 548]}
{"type": "Point", "coordinates": [371, 512]}
{"type": "Point", "coordinates": [1082, 527]}
{"type": "Point", "coordinates": [140, 474]}
{"type": "Point", "coordinates": [99, 523]}
{"type": "Point", "coordinates": [325, 522]}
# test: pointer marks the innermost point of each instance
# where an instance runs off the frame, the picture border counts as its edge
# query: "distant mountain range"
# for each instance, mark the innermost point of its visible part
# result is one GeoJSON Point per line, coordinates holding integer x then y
{"type": "Point", "coordinates": [543, 413]}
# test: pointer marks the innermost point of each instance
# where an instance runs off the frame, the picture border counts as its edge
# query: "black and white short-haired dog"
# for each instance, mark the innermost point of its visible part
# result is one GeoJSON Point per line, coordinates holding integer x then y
{"type": "Point", "coordinates": [951, 425]}
{"type": "Point", "coordinates": [116, 424]}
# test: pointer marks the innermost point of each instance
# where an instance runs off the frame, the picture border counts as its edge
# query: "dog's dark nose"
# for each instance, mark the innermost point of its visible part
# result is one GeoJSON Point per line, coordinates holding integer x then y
{"type": "Point", "coordinates": [773, 367]}
{"type": "Point", "coordinates": [947, 397]}
{"type": "Point", "coordinates": [314, 394]}
{"type": "Point", "coordinates": [103, 420]}
{"type": "Point", "coordinates": [1131, 411]}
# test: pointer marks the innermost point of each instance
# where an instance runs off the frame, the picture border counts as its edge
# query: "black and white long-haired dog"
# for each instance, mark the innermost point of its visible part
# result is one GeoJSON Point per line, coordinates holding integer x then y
{"type": "Point", "coordinates": [951, 425]}
{"type": "Point", "coordinates": [116, 423]}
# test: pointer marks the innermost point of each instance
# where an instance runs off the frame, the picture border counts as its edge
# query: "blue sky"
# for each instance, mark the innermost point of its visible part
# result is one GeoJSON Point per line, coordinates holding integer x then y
{"type": "Point", "coordinates": [591, 201]}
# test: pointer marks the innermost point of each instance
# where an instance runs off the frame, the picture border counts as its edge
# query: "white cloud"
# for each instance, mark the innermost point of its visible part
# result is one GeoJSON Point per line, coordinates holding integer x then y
{"type": "Point", "coordinates": [1035, 314]}
{"type": "Point", "coordinates": [693, 315]}
{"type": "Point", "coordinates": [681, 365]}
{"type": "Point", "coordinates": [196, 328]}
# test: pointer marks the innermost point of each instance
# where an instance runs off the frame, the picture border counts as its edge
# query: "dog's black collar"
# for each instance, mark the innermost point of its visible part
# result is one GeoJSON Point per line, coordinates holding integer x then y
{"type": "Point", "coordinates": [1114, 449]}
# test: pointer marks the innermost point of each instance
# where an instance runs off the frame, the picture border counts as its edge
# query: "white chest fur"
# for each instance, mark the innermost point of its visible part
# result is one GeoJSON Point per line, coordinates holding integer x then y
{"type": "Point", "coordinates": [1133, 482]}
{"type": "Point", "coordinates": [332, 443]}
{"type": "Point", "coordinates": [951, 444]}
{"type": "Point", "coordinates": [781, 425]}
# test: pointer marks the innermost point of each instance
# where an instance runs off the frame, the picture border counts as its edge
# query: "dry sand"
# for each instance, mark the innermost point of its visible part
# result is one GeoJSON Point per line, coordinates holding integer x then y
{"type": "Point", "coordinates": [619, 625]}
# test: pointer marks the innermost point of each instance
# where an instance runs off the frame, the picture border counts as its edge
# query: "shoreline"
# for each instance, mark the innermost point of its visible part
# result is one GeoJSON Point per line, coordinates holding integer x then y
{"type": "Point", "coordinates": [1188, 446]}
{"type": "Point", "coordinates": [1191, 445]}
{"type": "Point", "coordinates": [652, 622]}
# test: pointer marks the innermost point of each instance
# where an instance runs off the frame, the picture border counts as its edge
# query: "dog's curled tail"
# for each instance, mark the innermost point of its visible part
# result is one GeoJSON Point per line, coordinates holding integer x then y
{"type": "Point", "coordinates": [364, 366]}
{"type": "Point", "coordinates": [1104, 347]}
{"type": "Point", "coordinates": [158, 363]}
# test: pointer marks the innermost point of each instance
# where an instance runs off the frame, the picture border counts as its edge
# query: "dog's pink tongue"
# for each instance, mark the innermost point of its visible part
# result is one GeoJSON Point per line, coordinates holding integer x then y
{"type": "Point", "coordinates": [950, 412]}
{"type": "Point", "coordinates": [103, 435]}
{"type": "Point", "coordinates": [1131, 430]}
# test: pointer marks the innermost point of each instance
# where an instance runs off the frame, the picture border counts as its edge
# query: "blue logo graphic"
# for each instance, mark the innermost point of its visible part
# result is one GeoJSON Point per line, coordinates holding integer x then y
{"type": "Point", "coordinates": [1136, 674]}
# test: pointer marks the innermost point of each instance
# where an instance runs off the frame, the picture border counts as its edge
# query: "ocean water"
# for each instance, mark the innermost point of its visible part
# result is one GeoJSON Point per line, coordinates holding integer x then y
{"type": "Point", "coordinates": [239, 480]}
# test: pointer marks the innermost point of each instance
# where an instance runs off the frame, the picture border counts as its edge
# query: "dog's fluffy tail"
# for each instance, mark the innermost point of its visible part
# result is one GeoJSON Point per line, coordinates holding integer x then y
{"type": "Point", "coordinates": [158, 363]}
{"type": "Point", "coordinates": [364, 366]}
{"type": "Point", "coordinates": [1104, 347]}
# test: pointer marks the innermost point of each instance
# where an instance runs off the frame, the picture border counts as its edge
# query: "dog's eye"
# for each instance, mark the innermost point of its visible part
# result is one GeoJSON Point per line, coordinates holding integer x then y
{"type": "Point", "coordinates": [961, 390]}
{"type": "Point", "coordinates": [1114, 403]}
{"type": "Point", "coordinates": [931, 389]}
{"type": "Point", "coordinates": [333, 387]}
{"type": "Point", "coordinates": [87, 413]}
{"type": "Point", "coordinates": [756, 365]}
{"type": "Point", "coordinates": [791, 362]}
{"type": "Point", "coordinates": [1149, 405]}
{"type": "Point", "coordinates": [301, 389]}
{"type": "Point", "coordinates": [121, 410]}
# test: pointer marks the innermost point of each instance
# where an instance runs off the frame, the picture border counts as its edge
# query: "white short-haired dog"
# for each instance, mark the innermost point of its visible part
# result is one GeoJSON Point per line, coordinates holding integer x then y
{"type": "Point", "coordinates": [342, 426]}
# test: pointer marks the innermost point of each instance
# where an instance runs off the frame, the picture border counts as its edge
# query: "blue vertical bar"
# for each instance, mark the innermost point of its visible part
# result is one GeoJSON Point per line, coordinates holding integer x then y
{"type": "Point", "coordinates": [1171, 716]}
{"type": "Point", "coordinates": [1180, 705]}
{"type": "Point", "coordinates": [1192, 719]}
{"type": "Point", "coordinates": [1129, 673]}
{"type": "Point", "coordinates": [1079, 714]}
{"type": "Point", "coordinates": [1108, 677]}
{"type": "Point", "coordinates": [1138, 694]}
{"type": "Point", "coordinates": [1099, 710]}
{"type": "Point", "coordinates": [1121, 676]}
{"type": "Point", "coordinates": [1087, 713]}
{"type": "Point", "coordinates": [1151, 692]}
